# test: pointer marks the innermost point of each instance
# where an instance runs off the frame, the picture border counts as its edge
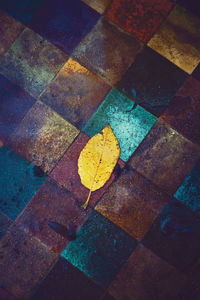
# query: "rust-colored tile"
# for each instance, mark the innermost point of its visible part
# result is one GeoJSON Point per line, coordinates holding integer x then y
{"type": "Point", "coordinates": [24, 263]}
{"type": "Point", "coordinates": [32, 62]}
{"type": "Point", "coordinates": [56, 204]}
{"type": "Point", "coordinates": [145, 277]}
{"type": "Point", "coordinates": [43, 136]}
{"type": "Point", "coordinates": [9, 31]}
{"type": "Point", "coordinates": [141, 18]}
{"type": "Point", "coordinates": [133, 203]}
{"type": "Point", "coordinates": [183, 113]}
{"type": "Point", "coordinates": [75, 93]}
{"type": "Point", "coordinates": [98, 5]}
{"type": "Point", "coordinates": [66, 172]}
{"type": "Point", "coordinates": [165, 157]}
{"type": "Point", "coordinates": [107, 51]}
{"type": "Point", "coordinates": [178, 39]}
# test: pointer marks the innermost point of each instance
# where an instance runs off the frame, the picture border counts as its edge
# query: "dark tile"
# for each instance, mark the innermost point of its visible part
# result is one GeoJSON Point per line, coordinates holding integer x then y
{"type": "Point", "coordinates": [177, 39]}
{"type": "Point", "coordinates": [175, 236]}
{"type": "Point", "coordinates": [130, 127]}
{"type": "Point", "coordinates": [165, 157]}
{"type": "Point", "coordinates": [23, 10]}
{"type": "Point", "coordinates": [132, 203]}
{"type": "Point", "coordinates": [43, 136]}
{"type": "Point", "coordinates": [4, 295]}
{"type": "Point", "coordinates": [75, 93]}
{"type": "Point", "coordinates": [196, 73]}
{"type": "Point", "coordinates": [24, 263]}
{"type": "Point", "coordinates": [107, 51]}
{"type": "Point", "coordinates": [56, 204]}
{"type": "Point", "coordinates": [9, 31]}
{"type": "Point", "coordinates": [141, 18]}
{"type": "Point", "coordinates": [100, 249]}
{"type": "Point", "coordinates": [32, 62]}
{"type": "Point", "coordinates": [146, 276]}
{"type": "Point", "coordinates": [98, 5]}
{"type": "Point", "coordinates": [189, 191]}
{"type": "Point", "coordinates": [192, 5]}
{"type": "Point", "coordinates": [152, 81]}
{"type": "Point", "coordinates": [5, 223]}
{"type": "Point", "coordinates": [183, 113]}
{"type": "Point", "coordinates": [67, 282]}
{"type": "Point", "coordinates": [14, 104]}
{"type": "Point", "coordinates": [66, 172]}
{"type": "Point", "coordinates": [64, 22]}
{"type": "Point", "coordinates": [108, 297]}
{"type": "Point", "coordinates": [19, 180]}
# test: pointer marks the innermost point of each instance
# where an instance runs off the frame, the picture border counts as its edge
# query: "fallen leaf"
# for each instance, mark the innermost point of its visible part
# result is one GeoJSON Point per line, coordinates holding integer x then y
{"type": "Point", "coordinates": [97, 160]}
{"type": "Point", "coordinates": [69, 233]}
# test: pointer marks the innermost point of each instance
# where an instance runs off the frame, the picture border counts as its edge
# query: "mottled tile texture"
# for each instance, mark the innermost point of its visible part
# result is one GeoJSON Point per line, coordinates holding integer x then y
{"type": "Point", "coordinates": [165, 157]}
{"type": "Point", "coordinates": [141, 18]}
{"type": "Point", "coordinates": [75, 93]}
{"type": "Point", "coordinates": [178, 39]}
{"type": "Point", "coordinates": [43, 136]}
{"type": "Point", "coordinates": [32, 62]}
{"type": "Point", "coordinates": [98, 5]}
{"type": "Point", "coordinates": [107, 51]}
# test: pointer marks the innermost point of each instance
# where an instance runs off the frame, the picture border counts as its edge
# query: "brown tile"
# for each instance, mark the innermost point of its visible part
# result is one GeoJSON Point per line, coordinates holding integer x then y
{"type": "Point", "coordinates": [25, 262]}
{"type": "Point", "coordinates": [183, 113]}
{"type": "Point", "coordinates": [75, 93]}
{"type": "Point", "coordinates": [178, 39]}
{"type": "Point", "coordinates": [107, 51]}
{"type": "Point", "coordinates": [98, 5]}
{"type": "Point", "coordinates": [66, 172]}
{"type": "Point", "coordinates": [56, 204]}
{"type": "Point", "coordinates": [133, 203]}
{"type": "Point", "coordinates": [43, 136]}
{"type": "Point", "coordinates": [9, 31]}
{"type": "Point", "coordinates": [145, 277]}
{"type": "Point", "coordinates": [165, 157]}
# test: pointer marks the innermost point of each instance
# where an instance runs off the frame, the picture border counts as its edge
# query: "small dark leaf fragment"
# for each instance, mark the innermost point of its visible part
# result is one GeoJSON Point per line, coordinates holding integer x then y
{"type": "Point", "coordinates": [69, 233]}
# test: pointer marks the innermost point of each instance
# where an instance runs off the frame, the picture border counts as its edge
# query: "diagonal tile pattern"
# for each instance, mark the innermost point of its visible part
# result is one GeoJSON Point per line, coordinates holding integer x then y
{"type": "Point", "coordinates": [67, 69]}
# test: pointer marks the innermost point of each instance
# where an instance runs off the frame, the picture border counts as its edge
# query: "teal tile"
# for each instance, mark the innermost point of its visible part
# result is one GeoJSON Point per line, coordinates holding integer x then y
{"type": "Point", "coordinates": [19, 181]}
{"type": "Point", "coordinates": [130, 127]}
{"type": "Point", "coordinates": [189, 192]}
{"type": "Point", "coordinates": [100, 249]}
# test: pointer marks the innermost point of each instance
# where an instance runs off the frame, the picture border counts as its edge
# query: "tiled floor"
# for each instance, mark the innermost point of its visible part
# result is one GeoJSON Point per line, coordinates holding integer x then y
{"type": "Point", "coordinates": [67, 69]}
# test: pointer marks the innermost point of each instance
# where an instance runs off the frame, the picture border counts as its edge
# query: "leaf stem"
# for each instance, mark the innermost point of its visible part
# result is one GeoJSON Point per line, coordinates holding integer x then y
{"type": "Point", "coordinates": [87, 201]}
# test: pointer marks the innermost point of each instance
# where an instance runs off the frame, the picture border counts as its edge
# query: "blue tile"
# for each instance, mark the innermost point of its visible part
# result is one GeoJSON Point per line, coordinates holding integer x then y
{"type": "Point", "coordinates": [100, 249]}
{"type": "Point", "coordinates": [19, 181]}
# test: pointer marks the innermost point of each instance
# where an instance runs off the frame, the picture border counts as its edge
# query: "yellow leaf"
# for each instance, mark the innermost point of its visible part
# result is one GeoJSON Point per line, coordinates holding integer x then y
{"type": "Point", "coordinates": [98, 159]}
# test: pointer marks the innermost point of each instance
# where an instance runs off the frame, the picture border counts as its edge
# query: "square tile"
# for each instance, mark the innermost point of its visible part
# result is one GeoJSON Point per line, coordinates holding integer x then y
{"type": "Point", "coordinates": [107, 51]}
{"type": "Point", "coordinates": [132, 203]}
{"type": "Point", "coordinates": [24, 264]}
{"type": "Point", "coordinates": [98, 5]}
{"type": "Point", "coordinates": [152, 81]}
{"type": "Point", "coordinates": [64, 22]}
{"type": "Point", "coordinates": [5, 223]}
{"type": "Point", "coordinates": [5, 296]}
{"type": "Point", "coordinates": [100, 249]}
{"type": "Point", "coordinates": [75, 93]}
{"type": "Point", "coordinates": [43, 136]}
{"type": "Point", "coordinates": [66, 173]}
{"type": "Point", "coordinates": [55, 204]}
{"type": "Point", "coordinates": [130, 127]}
{"type": "Point", "coordinates": [14, 105]}
{"type": "Point", "coordinates": [165, 157]}
{"type": "Point", "coordinates": [146, 276]}
{"type": "Point", "coordinates": [141, 18]}
{"type": "Point", "coordinates": [177, 39]}
{"type": "Point", "coordinates": [174, 236]}
{"type": "Point", "coordinates": [67, 282]}
{"type": "Point", "coordinates": [9, 31]}
{"type": "Point", "coordinates": [196, 72]}
{"type": "Point", "coordinates": [189, 191]}
{"type": "Point", "coordinates": [31, 62]}
{"type": "Point", "coordinates": [192, 5]}
{"type": "Point", "coordinates": [23, 10]}
{"type": "Point", "coordinates": [183, 113]}
{"type": "Point", "coordinates": [19, 181]}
